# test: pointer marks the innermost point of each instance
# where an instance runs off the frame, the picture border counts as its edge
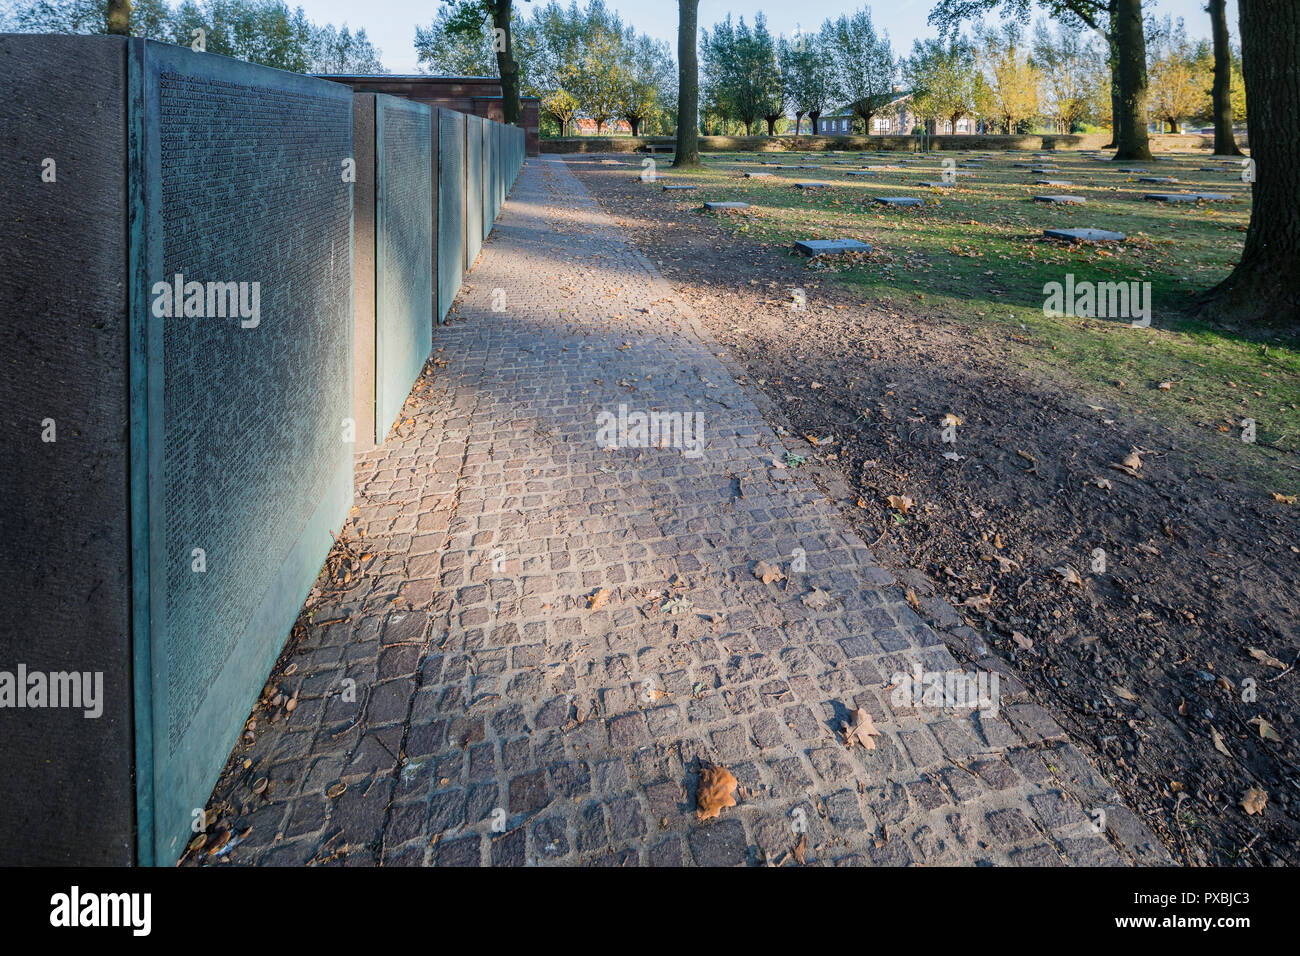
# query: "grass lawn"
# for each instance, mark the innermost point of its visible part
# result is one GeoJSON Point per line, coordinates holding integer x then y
{"type": "Point", "coordinates": [974, 252]}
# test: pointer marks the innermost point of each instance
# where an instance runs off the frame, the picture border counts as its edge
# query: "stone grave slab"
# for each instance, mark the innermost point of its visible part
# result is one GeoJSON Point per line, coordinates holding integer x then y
{"type": "Point", "coordinates": [900, 201]}
{"type": "Point", "coordinates": [1214, 197]}
{"type": "Point", "coordinates": [1156, 179]}
{"type": "Point", "coordinates": [936, 185]}
{"type": "Point", "coordinates": [758, 175]}
{"type": "Point", "coordinates": [830, 247]}
{"type": "Point", "coordinates": [812, 185]}
{"type": "Point", "coordinates": [1059, 200]}
{"type": "Point", "coordinates": [712, 206]}
{"type": "Point", "coordinates": [1085, 235]}
{"type": "Point", "coordinates": [673, 187]}
{"type": "Point", "coordinates": [861, 172]}
{"type": "Point", "coordinates": [1131, 169]}
{"type": "Point", "coordinates": [1052, 182]}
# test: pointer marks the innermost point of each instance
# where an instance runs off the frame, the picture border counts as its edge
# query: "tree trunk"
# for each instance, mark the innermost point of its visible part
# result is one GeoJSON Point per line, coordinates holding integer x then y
{"type": "Point", "coordinates": [1131, 139]}
{"type": "Point", "coordinates": [118, 20]}
{"type": "Point", "coordinates": [814, 116]}
{"type": "Point", "coordinates": [506, 65]}
{"type": "Point", "coordinates": [1112, 49]}
{"type": "Point", "coordinates": [1262, 289]}
{"type": "Point", "coordinates": [688, 85]}
{"type": "Point", "coordinates": [771, 125]}
{"type": "Point", "coordinates": [798, 120]}
{"type": "Point", "coordinates": [1225, 141]}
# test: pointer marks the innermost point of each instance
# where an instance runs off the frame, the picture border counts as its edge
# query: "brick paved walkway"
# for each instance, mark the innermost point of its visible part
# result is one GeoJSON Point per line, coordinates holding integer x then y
{"type": "Point", "coordinates": [497, 719]}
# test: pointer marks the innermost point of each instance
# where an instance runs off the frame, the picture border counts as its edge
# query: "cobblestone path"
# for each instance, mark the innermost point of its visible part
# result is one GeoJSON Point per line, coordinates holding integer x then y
{"type": "Point", "coordinates": [471, 698]}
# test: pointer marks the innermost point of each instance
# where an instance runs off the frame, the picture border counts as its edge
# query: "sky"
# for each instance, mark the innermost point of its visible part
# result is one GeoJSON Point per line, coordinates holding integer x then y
{"type": "Point", "coordinates": [390, 24]}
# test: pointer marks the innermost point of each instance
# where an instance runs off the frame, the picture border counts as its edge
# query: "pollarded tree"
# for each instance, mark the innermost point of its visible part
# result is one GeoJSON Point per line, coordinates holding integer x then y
{"type": "Point", "coordinates": [1119, 22]}
{"type": "Point", "coordinates": [864, 64]}
{"type": "Point", "coordinates": [809, 84]}
{"type": "Point", "coordinates": [767, 79]}
{"type": "Point", "coordinates": [1067, 61]}
{"type": "Point", "coordinates": [650, 68]}
{"type": "Point", "coordinates": [943, 78]}
{"type": "Point", "coordinates": [1179, 77]}
{"type": "Point", "coordinates": [1262, 288]}
{"type": "Point", "coordinates": [562, 107]}
{"type": "Point", "coordinates": [1013, 81]}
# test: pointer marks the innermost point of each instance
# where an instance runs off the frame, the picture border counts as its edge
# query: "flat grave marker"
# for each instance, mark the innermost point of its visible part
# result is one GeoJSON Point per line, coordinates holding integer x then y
{"type": "Point", "coordinates": [1061, 200]}
{"type": "Point", "coordinates": [900, 201]}
{"type": "Point", "coordinates": [830, 247]}
{"type": "Point", "coordinates": [1085, 235]}
{"type": "Point", "coordinates": [711, 206]}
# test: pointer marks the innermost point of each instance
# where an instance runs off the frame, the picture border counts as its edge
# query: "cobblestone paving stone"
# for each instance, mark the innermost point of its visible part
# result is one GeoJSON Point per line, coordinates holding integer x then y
{"type": "Point", "coordinates": [498, 720]}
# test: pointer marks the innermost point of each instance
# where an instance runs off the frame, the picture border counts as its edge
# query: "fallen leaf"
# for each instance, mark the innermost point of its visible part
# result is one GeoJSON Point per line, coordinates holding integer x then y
{"type": "Point", "coordinates": [1285, 499]}
{"type": "Point", "coordinates": [767, 573]}
{"type": "Point", "coordinates": [860, 731]}
{"type": "Point", "coordinates": [950, 420]}
{"type": "Point", "coordinates": [1266, 730]}
{"type": "Point", "coordinates": [677, 605]}
{"type": "Point", "coordinates": [1253, 801]}
{"type": "Point", "coordinates": [1265, 658]}
{"type": "Point", "coordinates": [1022, 642]}
{"type": "Point", "coordinates": [598, 600]}
{"type": "Point", "coordinates": [901, 503]}
{"type": "Point", "coordinates": [1069, 575]}
{"type": "Point", "coordinates": [800, 849]}
{"type": "Point", "coordinates": [817, 598]}
{"type": "Point", "coordinates": [1219, 745]}
{"type": "Point", "coordinates": [1123, 692]}
{"type": "Point", "coordinates": [714, 792]}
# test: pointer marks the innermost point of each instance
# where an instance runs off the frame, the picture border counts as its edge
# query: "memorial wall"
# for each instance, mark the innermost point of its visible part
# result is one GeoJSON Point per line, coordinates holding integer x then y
{"type": "Point", "coordinates": [194, 328]}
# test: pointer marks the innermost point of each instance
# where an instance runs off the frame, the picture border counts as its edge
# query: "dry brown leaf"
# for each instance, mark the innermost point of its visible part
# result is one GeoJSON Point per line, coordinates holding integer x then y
{"type": "Point", "coordinates": [950, 419]}
{"type": "Point", "coordinates": [1123, 692]}
{"type": "Point", "coordinates": [860, 731]}
{"type": "Point", "coordinates": [1022, 642]}
{"type": "Point", "coordinates": [1285, 499]}
{"type": "Point", "coordinates": [1219, 745]}
{"type": "Point", "coordinates": [800, 849]}
{"type": "Point", "coordinates": [767, 573]}
{"type": "Point", "coordinates": [1133, 461]}
{"type": "Point", "coordinates": [1266, 730]}
{"type": "Point", "coordinates": [1253, 801]}
{"type": "Point", "coordinates": [901, 503]}
{"type": "Point", "coordinates": [1069, 575]}
{"type": "Point", "coordinates": [817, 598]}
{"type": "Point", "coordinates": [1265, 658]}
{"type": "Point", "coordinates": [598, 600]}
{"type": "Point", "coordinates": [714, 792]}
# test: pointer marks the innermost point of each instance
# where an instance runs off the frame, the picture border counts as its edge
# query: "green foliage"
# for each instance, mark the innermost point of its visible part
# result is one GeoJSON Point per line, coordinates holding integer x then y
{"type": "Point", "coordinates": [811, 85]}
{"type": "Point", "coordinates": [742, 71]}
{"type": "Point", "coordinates": [864, 63]}
{"type": "Point", "coordinates": [259, 31]}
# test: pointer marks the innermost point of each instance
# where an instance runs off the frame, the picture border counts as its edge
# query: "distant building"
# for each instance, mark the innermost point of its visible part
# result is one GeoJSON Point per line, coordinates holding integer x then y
{"type": "Point", "coordinates": [587, 127]}
{"type": "Point", "coordinates": [895, 118]}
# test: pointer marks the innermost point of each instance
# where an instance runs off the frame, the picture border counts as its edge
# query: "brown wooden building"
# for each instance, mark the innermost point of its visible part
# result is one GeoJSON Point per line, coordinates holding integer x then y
{"type": "Point", "coordinates": [476, 95]}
